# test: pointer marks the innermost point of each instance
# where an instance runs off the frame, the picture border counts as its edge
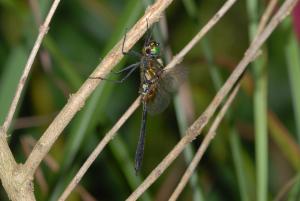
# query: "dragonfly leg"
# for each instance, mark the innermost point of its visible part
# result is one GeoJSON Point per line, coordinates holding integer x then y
{"type": "Point", "coordinates": [133, 68]}
{"type": "Point", "coordinates": [149, 34]}
{"type": "Point", "coordinates": [126, 68]}
{"type": "Point", "coordinates": [141, 143]}
{"type": "Point", "coordinates": [130, 52]}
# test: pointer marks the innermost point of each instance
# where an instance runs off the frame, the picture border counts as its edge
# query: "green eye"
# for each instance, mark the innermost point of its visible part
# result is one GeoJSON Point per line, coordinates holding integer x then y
{"type": "Point", "coordinates": [155, 50]}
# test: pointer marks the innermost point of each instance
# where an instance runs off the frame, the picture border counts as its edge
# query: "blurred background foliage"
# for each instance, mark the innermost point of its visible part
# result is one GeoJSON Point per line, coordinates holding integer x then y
{"type": "Point", "coordinates": [83, 31]}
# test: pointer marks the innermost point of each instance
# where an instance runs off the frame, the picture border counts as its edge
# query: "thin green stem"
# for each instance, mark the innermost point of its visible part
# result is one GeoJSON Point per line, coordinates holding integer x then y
{"type": "Point", "coordinates": [235, 145]}
{"type": "Point", "coordinates": [292, 56]}
{"type": "Point", "coordinates": [260, 110]}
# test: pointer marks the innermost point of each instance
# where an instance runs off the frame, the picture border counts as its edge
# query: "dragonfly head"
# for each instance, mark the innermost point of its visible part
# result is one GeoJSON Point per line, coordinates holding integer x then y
{"type": "Point", "coordinates": [152, 49]}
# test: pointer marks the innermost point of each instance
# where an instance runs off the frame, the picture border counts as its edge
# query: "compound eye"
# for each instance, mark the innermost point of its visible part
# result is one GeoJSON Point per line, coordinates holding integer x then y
{"type": "Point", "coordinates": [155, 51]}
{"type": "Point", "coordinates": [148, 51]}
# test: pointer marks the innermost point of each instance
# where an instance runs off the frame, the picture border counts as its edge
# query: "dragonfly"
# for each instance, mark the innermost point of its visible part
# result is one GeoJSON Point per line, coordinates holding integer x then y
{"type": "Point", "coordinates": [156, 85]}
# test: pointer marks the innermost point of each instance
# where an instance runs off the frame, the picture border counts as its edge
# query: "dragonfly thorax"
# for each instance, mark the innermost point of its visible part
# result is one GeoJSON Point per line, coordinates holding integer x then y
{"type": "Point", "coordinates": [150, 75]}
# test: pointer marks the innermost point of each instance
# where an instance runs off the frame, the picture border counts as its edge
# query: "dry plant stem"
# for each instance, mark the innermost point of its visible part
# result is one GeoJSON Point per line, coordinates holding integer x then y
{"type": "Point", "coordinates": [11, 175]}
{"type": "Point", "coordinates": [35, 7]}
{"type": "Point", "coordinates": [178, 58]}
{"type": "Point", "coordinates": [7, 164]}
{"type": "Point", "coordinates": [199, 124]}
{"type": "Point", "coordinates": [16, 186]}
{"type": "Point", "coordinates": [266, 16]}
{"type": "Point", "coordinates": [108, 137]}
{"type": "Point", "coordinates": [43, 31]}
{"type": "Point", "coordinates": [211, 134]}
{"type": "Point", "coordinates": [84, 194]}
{"type": "Point", "coordinates": [208, 138]}
{"type": "Point", "coordinates": [286, 188]}
{"type": "Point", "coordinates": [77, 100]}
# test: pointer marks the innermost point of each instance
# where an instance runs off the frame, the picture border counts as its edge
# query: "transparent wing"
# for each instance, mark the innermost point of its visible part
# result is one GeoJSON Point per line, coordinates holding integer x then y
{"type": "Point", "coordinates": [160, 102]}
{"type": "Point", "coordinates": [172, 78]}
{"type": "Point", "coordinates": [167, 84]}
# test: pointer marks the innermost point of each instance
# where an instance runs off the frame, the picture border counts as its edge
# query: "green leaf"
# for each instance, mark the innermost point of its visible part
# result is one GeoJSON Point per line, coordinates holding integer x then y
{"type": "Point", "coordinates": [10, 77]}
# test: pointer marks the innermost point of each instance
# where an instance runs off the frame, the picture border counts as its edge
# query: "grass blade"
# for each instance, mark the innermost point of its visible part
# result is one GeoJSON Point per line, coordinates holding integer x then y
{"type": "Point", "coordinates": [293, 60]}
{"type": "Point", "coordinates": [10, 77]}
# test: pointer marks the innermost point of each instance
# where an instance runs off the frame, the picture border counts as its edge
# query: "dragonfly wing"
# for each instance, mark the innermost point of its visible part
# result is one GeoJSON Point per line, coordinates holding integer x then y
{"type": "Point", "coordinates": [160, 102]}
{"type": "Point", "coordinates": [172, 78]}
{"type": "Point", "coordinates": [167, 84]}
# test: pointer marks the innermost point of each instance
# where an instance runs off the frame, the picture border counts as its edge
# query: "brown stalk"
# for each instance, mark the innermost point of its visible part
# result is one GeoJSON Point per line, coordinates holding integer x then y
{"type": "Point", "coordinates": [204, 145]}
{"type": "Point", "coordinates": [212, 132]}
{"type": "Point", "coordinates": [43, 31]}
{"type": "Point", "coordinates": [131, 109]}
{"type": "Point", "coordinates": [77, 100]}
{"type": "Point", "coordinates": [199, 124]}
